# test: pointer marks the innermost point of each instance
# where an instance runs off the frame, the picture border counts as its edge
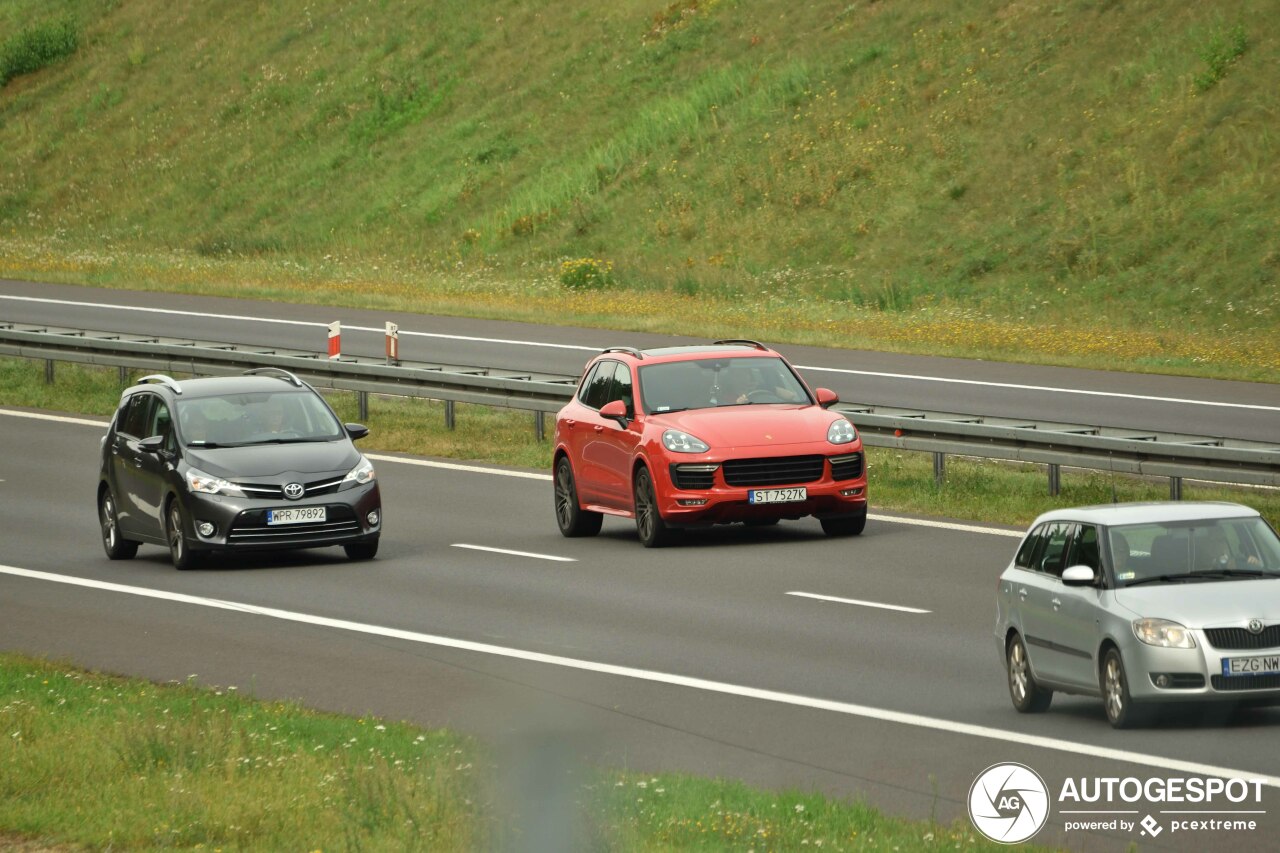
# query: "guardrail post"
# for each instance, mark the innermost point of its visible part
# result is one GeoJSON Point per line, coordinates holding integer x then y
{"type": "Point", "coordinates": [448, 414]}
{"type": "Point", "coordinates": [48, 371]}
{"type": "Point", "coordinates": [540, 425]}
{"type": "Point", "coordinates": [362, 405]}
{"type": "Point", "coordinates": [1175, 488]}
{"type": "Point", "coordinates": [1055, 479]}
{"type": "Point", "coordinates": [123, 373]}
{"type": "Point", "coordinates": [939, 468]}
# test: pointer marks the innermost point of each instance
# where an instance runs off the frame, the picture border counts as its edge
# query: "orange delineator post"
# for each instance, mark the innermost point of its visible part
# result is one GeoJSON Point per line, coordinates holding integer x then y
{"type": "Point", "coordinates": [335, 339]}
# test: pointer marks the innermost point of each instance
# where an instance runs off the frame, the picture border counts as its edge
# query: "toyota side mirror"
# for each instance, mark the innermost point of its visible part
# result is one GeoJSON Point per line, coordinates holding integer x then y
{"type": "Point", "coordinates": [356, 431]}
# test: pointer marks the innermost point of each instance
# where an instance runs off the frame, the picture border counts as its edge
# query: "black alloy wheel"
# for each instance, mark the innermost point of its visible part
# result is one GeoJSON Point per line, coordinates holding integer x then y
{"type": "Point", "coordinates": [116, 546]}
{"type": "Point", "coordinates": [571, 518]}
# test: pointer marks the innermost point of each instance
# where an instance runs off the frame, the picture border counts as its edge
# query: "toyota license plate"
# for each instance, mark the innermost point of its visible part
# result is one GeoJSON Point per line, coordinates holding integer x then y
{"type": "Point", "coordinates": [777, 496]}
{"type": "Point", "coordinates": [1262, 665]}
{"type": "Point", "coordinates": [295, 515]}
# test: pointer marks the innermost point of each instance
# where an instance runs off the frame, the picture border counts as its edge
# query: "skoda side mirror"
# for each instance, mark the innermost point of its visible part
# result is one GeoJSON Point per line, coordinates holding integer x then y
{"type": "Point", "coordinates": [1078, 576]}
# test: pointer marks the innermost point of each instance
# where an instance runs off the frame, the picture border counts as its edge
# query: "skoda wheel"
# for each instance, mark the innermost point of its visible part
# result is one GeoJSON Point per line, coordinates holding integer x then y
{"type": "Point", "coordinates": [1028, 696]}
{"type": "Point", "coordinates": [116, 546]}
{"type": "Point", "coordinates": [571, 518]}
{"type": "Point", "coordinates": [1122, 712]}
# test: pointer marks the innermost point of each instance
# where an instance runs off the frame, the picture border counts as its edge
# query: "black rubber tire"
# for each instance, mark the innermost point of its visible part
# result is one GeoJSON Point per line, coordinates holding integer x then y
{"type": "Point", "coordinates": [845, 525]}
{"type": "Point", "coordinates": [116, 546]}
{"type": "Point", "coordinates": [1027, 696]}
{"type": "Point", "coordinates": [571, 518]}
{"type": "Point", "coordinates": [1122, 711]}
{"type": "Point", "coordinates": [361, 550]}
{"type": "Point", "coordinates": [653, 531]}
{"type": "Point", "coordinates": [179, 549]}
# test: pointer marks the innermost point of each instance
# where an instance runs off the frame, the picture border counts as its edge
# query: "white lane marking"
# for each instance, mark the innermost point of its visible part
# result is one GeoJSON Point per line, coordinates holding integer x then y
{"type": "Point", "coordinates": [947, 525]}
{"type": "Point", "coordinates": [510, 342]}
{"type": "Point", "coordinates": [839, 600]}
{"type": "Point", "coordinates": [56, 418]}
{"type": "Point", "coordinates": [515, 553]}
{"type": "Point", "coordinates": [1014, 386]}
{"type": "Point", "coordinates": [278, 321]}
{"type": "Point", "coordinates": [848, 708]}
{"type": "Point", "coordinates": [455, 466]}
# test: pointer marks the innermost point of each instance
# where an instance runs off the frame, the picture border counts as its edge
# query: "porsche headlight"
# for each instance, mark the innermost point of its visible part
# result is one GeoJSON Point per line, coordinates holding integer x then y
{"type": "Point", "coordinates": [207, 484]}
{"type": "Point", "coordinates": [841, 432]}
{"type": "Point", "coordinates": [361, 474]}
{"type": "Point", "coordinates": [1163, 633]}
{"type": "Point", "coordinates": [681, 442]}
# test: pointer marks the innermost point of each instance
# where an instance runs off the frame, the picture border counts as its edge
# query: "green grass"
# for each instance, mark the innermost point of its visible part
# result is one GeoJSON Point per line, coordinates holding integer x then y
{"type": "Point", "coordinates": [901, 481]}
{"type": "Point", "coordinates": [103, 762]}
{"type": "Point", "coordinates": [1089, 185]}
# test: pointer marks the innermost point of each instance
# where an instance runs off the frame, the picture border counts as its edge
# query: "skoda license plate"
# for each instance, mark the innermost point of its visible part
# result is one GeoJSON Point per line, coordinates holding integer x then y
{"type": "Point", "coordinates": [777, 496]}
{"type": "Point", "coordinates": [1262, 665]}
{"type": "Point", "coordinates": [295, 515]}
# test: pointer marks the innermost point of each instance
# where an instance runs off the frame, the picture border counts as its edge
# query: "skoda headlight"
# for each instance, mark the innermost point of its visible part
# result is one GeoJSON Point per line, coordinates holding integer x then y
{"type": "Point", "coordinates": [681, 442]}
{"type": "Point", "coordinates": [207, 484]}
{"type": "Point", "coordinates": [841, 432]}
{"type": "Point", "coordinates": [361, 474]}
{"type": "Point", "coordinates": [1163, 633]}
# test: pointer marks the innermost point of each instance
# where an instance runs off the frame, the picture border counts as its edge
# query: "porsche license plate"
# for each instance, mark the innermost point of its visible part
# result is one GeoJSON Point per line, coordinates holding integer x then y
{"type": "Point", "coordinates": [777, 496]}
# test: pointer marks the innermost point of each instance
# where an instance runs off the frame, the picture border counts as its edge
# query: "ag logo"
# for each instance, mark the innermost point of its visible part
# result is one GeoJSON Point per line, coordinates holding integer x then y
{"type": "Point", "coordinates": [1008, 803]}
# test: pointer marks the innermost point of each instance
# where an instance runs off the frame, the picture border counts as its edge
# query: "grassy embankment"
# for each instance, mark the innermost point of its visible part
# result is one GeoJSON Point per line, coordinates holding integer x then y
{"type": "Point", "coordinates": [1091, 184]}
{"type": "Point", "coordinates": [97, 762]}
{"type": "Point", "coordinates": [899, 481]}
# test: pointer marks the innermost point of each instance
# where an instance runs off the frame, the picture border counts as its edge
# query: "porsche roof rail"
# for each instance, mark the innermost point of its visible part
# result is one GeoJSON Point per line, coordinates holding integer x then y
{"type": "Point", "coordinates": [160, 379]}
{"type": "Point", "coordinates": [631, 351]}
{"type": "Point", "coordinates": [742, 341]}
{"type": "Point", "coordinates": [278, 372]}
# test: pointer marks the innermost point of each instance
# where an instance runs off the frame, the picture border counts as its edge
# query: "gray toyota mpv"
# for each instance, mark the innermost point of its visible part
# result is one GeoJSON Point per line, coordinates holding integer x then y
{"type": "Point", "coordinates": [236, 463]}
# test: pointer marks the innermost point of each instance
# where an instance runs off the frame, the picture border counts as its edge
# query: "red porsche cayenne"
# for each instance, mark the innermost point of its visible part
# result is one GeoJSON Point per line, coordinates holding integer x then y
{"type": "Point", "coordinates": [692, 436]}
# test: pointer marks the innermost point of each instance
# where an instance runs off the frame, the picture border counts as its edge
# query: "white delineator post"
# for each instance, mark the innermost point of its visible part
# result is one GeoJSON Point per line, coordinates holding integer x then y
{"type": "Point", "coordinates": [393, 343]}
{"type": "Point", "coordinates": [335, 340]}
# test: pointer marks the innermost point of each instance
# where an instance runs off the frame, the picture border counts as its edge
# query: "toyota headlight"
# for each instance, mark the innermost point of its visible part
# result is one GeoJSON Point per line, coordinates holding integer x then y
{"type": "Point", "coordinates": [361, 474]}
{"type": "Point", "coordinates": [841, 432]}
{"type": "Point", "coordinates": [681, 442]}
{"type": "Point", "coordinates": [1163, 633]}
{"type": "Point", "coordinates": [207, 484]}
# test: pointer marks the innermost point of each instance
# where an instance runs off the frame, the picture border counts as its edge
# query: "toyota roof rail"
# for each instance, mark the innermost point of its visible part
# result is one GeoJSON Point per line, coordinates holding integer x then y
{"type": "Point", "coordinates": [278, 372]}
{"type": "Point", "coordinates": [160, 379]}
{"type": "Point", "coordinates": [743, 341]}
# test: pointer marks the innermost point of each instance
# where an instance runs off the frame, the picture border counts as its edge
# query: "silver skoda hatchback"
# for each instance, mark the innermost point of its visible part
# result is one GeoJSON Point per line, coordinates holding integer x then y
{"type": "Point", "coordinates": [1142, 604]}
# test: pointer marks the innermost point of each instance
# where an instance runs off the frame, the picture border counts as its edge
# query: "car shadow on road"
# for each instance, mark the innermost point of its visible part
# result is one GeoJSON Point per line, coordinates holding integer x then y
{"type": "Point", "coordinates": [1175, 717]}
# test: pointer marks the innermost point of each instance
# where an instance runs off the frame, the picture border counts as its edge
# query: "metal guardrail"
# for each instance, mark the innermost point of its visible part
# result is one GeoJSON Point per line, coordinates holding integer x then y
{"type": "Point", "coordinates": [1159, 454]}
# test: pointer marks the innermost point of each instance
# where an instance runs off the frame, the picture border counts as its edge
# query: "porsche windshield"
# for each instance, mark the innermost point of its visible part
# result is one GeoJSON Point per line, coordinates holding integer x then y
{"type": "Point", "coordinates": [712, 382]}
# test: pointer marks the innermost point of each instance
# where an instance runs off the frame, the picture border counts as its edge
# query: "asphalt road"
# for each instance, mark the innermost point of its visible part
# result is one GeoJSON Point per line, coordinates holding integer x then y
{"type": "Point", "coordinates": [1237, 410]}
{"type": "Point", "coordinates": [695, 658]}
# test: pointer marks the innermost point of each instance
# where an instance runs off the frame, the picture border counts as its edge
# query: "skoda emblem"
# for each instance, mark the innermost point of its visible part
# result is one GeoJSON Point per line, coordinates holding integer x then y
{"type": "Point", "coordinates": [1255, 626]}
{"type": "Point", "coordinates": [293, 491]}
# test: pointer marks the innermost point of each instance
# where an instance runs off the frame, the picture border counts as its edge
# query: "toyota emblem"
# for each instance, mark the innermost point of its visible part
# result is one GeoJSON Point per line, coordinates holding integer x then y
{"type": "Point", "coordinates": [293, 491]}
{"type": "Point", "coordinates": [1255, 626]}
